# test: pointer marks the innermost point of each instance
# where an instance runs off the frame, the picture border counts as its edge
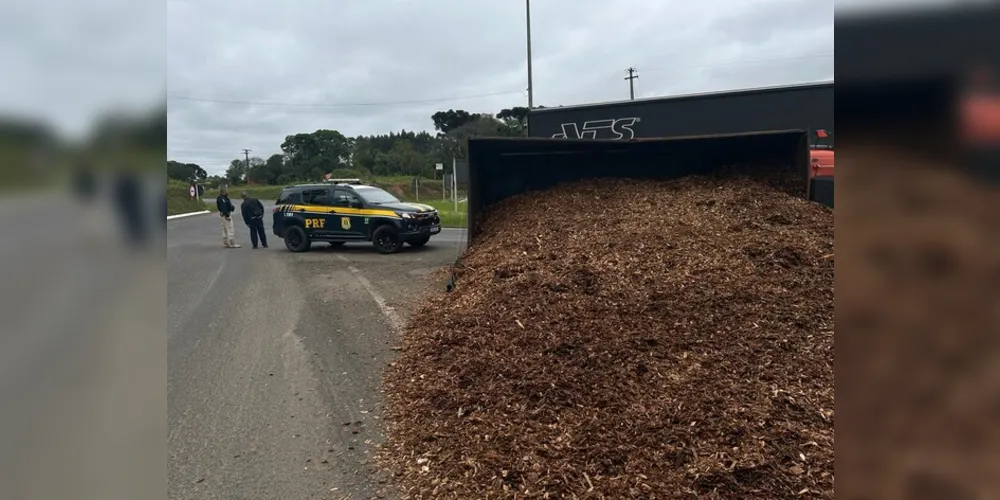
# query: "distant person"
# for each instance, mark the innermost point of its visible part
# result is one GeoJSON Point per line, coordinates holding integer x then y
{"type": "Point", "coordinates": [85, 183]}
{"type": "Point", "coordinates": [127, 194]}
{"type": "Point", "coordinates": [253, 216]}
{"type": "Point", "coordinates": [85, 186]}
{"type": "Point", "coordinates": [226, 210]}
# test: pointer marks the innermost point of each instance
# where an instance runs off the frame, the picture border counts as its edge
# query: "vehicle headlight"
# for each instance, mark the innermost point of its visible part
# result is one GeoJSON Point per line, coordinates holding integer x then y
{"type": "Point", "coordinates": [405, 215]}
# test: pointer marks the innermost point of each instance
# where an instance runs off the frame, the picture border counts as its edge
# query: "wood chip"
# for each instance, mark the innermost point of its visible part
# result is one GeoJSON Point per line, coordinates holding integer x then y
{"type": "Point", "coordinates": [660, 304]}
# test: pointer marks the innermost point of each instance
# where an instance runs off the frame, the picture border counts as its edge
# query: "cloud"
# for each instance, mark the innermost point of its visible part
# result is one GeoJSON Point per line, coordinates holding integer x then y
{"type": "Point", "coordinates": [324, 55]}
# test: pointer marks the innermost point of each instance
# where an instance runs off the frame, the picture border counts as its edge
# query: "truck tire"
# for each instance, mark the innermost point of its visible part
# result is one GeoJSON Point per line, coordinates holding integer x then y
{"type": "Point", "coordinates": [419, 242]}
{"type": "Point", "coordinates": [296, 239]}
{"type": "Point", "coordinates": [386, 240]}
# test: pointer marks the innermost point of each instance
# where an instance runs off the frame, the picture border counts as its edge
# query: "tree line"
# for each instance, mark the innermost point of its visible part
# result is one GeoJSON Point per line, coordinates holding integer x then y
{"type": "Point", "coordinates": [309, 156]}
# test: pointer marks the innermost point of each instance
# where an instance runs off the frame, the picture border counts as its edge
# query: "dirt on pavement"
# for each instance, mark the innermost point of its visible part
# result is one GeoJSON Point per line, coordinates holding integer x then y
{"type": "Point", "coordinates": [355, 293]}
{"type": "Point", "coordinates": [621, 339]}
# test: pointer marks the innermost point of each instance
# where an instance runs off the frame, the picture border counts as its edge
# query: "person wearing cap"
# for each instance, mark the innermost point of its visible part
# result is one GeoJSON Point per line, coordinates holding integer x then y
{"type": "Point", "coordinates": [253, 216]}
{"type": "Point", "coordinates": [226, 210]}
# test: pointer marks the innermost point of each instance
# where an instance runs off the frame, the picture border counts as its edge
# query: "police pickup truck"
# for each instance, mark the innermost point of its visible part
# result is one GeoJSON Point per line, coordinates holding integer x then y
{"type": "Point", "coordinates": [342, 210]}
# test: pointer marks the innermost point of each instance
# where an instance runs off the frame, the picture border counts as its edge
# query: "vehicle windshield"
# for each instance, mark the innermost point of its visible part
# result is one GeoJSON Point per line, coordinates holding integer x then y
{"type": "Point", "coordinates": [375, 195]}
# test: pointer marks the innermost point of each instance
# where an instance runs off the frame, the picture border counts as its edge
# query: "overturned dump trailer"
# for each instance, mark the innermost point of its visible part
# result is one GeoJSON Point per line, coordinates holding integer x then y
{"type": "Point", "coordinates": [657, 255]}
{"type": "Point", "coordinates": [500, 168]}
{"type": "Point", "coordinates": [803, 106]}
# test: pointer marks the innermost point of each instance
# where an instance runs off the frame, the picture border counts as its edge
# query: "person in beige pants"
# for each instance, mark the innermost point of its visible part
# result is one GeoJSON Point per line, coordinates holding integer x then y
{"type": "Point", "coordinates": [226, 209]}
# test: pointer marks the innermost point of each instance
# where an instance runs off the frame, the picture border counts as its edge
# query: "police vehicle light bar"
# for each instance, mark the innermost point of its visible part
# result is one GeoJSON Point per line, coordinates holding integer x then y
{"type": "Point", "coordinates": [344, 181]}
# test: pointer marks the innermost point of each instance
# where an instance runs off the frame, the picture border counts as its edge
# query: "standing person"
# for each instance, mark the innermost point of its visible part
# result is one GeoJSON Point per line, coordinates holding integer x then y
{"type": "Point", "coordinates": [128, 198]}
{"type": "Point", "coordinates": [226, 210]}
{"type": "Point", "coordinates": [253, 216]}
{"type": "Point", "coordinates": [85, 185]}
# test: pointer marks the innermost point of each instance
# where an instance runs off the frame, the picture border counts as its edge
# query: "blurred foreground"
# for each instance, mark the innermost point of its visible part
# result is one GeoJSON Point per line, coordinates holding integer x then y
{"type": "Point", "coordinates": [83, 344]}
{"type": "Point", "coordinates": [918, 243]}
{"type": "Point", "coordinates": [82, 354]}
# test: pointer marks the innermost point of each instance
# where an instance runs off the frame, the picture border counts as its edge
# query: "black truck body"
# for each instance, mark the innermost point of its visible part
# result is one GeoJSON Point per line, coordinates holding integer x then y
{"type": "Point", "coordinates": [808, 107]}
{"type": "Point", "coordinates": [804, 107]}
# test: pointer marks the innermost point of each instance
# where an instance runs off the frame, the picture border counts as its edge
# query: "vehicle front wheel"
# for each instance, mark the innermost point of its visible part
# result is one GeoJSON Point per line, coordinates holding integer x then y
{"type": "Point", "coordinates": [296, 239]}
{"type": "Point", "coordinates": [419, 242]}
{"type": "Point", "coordinates": [386, 240]}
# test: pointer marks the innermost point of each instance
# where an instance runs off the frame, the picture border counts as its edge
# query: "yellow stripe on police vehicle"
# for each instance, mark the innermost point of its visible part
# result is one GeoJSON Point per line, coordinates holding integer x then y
{"type": "Point", "coordinates": [320, 209]}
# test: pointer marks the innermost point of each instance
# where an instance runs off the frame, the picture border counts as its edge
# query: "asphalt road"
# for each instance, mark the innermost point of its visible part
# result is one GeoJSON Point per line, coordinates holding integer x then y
{"type": "Point", "coordinates": [275, 361]}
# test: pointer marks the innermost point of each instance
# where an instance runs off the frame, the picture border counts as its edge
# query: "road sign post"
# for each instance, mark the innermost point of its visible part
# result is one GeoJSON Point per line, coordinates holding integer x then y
{"type": "Point", "coordinates": [439, 167]}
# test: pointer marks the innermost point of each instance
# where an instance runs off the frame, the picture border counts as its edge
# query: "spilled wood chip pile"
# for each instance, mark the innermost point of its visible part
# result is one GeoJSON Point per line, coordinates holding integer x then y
{"type": "Point", "coordinates": [918, 303]}
{"type": "Point", "coordinates": [626, 339]}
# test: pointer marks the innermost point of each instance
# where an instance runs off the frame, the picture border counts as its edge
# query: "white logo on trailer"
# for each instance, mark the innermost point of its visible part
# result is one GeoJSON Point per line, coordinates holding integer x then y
{"type": "Point", "coordinates": [619, 128]}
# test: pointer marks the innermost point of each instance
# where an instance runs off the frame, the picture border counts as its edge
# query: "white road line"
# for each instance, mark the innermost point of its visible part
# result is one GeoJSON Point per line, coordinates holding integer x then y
{"type": "Point", "coordinates": [394, 321]}
{"type": "Point", "coordinates": [189, 214]}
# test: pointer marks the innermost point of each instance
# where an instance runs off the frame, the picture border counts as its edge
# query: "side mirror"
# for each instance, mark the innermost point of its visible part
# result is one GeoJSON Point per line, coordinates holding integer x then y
{"type": "Point", "coordinates": [356, 204]}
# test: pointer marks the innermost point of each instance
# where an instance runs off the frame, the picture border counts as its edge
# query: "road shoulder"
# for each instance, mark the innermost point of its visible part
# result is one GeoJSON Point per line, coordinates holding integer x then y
{"type": "Point", "coordinates": [189, 214]}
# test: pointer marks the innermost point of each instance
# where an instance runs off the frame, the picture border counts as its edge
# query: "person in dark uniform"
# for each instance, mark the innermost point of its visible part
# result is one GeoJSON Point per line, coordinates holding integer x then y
{"type": "Point", "coordinates": [87, 189]}
{"type": "Point", "coordinates": [253, 216]}
{"type": "Point", "coordinates": [85, 183]}
{"type": "Point", "coordinates": [127, 194]}
{"type": "Point", "coordinates": [226, 210]}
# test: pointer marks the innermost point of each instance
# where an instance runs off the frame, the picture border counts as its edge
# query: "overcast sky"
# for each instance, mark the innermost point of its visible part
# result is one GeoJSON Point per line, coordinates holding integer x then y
{"type": "Point", "coordinates": [65, 62]}
{"type": "Point", "coordinates": [246, 74]}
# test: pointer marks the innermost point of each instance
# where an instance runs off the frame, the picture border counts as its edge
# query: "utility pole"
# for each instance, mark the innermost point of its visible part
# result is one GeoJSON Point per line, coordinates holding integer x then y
{"type": "Point", "coordinates": [247, 153]}
{"type": "Point", "coordinates": [527, 17]}
{"type": "Point", "coordinates": [631, 77]}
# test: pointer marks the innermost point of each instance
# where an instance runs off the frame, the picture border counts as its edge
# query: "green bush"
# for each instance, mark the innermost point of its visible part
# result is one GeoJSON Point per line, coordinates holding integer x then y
{"type": "Point", "coordinates": [263, 193]}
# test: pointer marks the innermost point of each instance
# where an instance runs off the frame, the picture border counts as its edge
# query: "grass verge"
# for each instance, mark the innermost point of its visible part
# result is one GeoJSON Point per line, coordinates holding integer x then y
{"type": "Point", "coordinates": [262, 193]}
{"type": "Point", "coordinates": [449, 216]}
{"type": "Point", "coordinates": [179, 202]}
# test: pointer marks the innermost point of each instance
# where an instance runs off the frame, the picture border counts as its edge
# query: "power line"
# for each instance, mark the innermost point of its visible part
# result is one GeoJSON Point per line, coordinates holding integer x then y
{"type": "Point", "coordinates": [220, 155]}
{"type": "Point", "coordinates": [178, 96]}
{"type": "Point", "coordinates": [339, 105]}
